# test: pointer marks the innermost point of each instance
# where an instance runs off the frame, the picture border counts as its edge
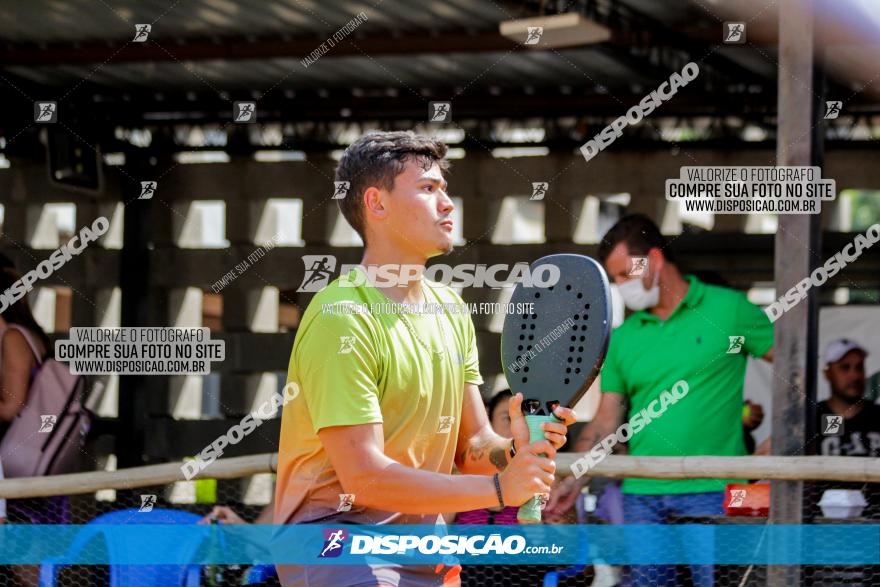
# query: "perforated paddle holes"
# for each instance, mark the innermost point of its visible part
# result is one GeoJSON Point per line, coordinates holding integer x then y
{"type": "Point", "coordinates": [581, 323]}
{"type": "Point", "coordinates": [526, 326]}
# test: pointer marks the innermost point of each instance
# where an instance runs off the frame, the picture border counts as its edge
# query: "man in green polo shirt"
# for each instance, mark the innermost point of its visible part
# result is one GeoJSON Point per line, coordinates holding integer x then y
{"type": "Point", "coordinates": [678, 362]}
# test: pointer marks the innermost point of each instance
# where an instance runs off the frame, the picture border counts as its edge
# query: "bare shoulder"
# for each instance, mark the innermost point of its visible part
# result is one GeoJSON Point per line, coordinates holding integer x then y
{"type": "Point", "coordinates": [16, 347]}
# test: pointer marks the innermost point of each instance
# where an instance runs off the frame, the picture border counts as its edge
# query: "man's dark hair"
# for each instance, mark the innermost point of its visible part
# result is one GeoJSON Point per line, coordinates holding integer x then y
{"type": "Point", "coordinates": [376, 159]}
{"type": "Point", "coordinates": [6, 262]}
{"type": "Point", "coordinates": [640, 235]}
{"type": "Point", "coordinates": [497, 399]}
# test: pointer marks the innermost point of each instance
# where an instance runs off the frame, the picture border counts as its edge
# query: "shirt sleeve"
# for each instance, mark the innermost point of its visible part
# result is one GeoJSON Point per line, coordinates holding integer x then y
{"type": "Point", "coordinates": [611, 376]}
{"type": "Point", "coordinates": [754, 324]}
{"type": "Point", "coordinates": [461, 320]}
{"type": "Point", "coordinates": [338, 371]}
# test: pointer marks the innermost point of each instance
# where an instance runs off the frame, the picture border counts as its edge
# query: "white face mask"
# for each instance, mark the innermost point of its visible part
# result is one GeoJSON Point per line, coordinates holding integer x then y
{"type": "Point", "coordinates": [636, 297]}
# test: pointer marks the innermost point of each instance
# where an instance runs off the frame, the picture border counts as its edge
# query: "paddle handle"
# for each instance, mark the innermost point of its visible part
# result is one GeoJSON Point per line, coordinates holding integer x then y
{"type": "Point", "coordinates": [530, 511]}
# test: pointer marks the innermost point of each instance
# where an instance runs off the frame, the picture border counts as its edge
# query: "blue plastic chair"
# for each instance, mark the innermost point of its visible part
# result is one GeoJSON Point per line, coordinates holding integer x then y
{"type": "Point", "coordinates": [259, 574]}
{"type": "Point", "coordinates": [134, 575]}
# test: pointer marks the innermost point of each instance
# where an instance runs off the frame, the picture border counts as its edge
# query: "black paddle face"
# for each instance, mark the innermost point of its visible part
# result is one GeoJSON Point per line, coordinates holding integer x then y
{"type": "Point", "coordinates": [554, 353]}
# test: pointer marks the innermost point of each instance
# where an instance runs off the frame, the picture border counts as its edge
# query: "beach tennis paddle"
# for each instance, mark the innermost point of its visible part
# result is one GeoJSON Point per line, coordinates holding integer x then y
{"type": "Point", "coordinates": [552, 354]}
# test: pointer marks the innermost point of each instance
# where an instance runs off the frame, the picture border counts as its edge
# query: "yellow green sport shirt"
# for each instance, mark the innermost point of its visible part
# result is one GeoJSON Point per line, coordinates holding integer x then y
{"type": "Point", "coordinates": [406, 372]}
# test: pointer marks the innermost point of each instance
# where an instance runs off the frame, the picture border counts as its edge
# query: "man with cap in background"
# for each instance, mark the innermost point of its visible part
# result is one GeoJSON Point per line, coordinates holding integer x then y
{"type": "Point", "coordinates": [849, 424]}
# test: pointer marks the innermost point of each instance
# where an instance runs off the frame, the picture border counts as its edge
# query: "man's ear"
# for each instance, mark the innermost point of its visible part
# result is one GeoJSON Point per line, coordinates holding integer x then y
{"type": "Point", "coordinates": [374, 203]}
{"type": "Point", "coordinates": [656, 262]}
{"type": "Point", "coordinates": [655, 257]}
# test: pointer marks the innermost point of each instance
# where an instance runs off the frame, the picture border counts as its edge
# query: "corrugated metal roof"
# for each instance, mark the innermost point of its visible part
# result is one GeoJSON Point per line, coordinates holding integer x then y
{"type": "Point", "coordinates": [575, 67]}
{"type": "Point", "coordinates": [186, 57]}
{"type": "Point", "coordinates": [90, 20]}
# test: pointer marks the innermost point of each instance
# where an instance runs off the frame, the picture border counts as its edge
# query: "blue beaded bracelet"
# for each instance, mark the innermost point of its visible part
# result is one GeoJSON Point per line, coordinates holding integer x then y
{"type": "Point", "coordinates": [498, 489]}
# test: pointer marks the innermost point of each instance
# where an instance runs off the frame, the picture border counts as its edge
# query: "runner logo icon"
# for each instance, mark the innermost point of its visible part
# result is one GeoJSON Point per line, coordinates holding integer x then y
{"type": "Point", "coordinates": [333, 542]}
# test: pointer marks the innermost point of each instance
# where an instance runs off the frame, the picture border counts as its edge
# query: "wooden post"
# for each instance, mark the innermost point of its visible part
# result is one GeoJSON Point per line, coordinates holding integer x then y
{"type": "Point", "coordinates": [134, 283]}
{"type": "Point", "coordinates": [140, 396]}
{"type": "Point", "coordinates": [796, 335]}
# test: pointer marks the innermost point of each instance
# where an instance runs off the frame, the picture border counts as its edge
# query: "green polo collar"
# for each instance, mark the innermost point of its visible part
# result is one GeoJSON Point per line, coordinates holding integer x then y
{"type": "Point", "coordinates": [691, 299]}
